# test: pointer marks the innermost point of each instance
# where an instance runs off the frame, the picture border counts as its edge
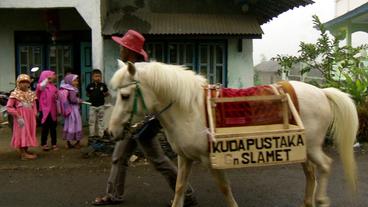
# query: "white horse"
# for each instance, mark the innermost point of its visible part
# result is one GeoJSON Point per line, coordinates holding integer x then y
{"type": "Point", "coordinates": [185, 123]}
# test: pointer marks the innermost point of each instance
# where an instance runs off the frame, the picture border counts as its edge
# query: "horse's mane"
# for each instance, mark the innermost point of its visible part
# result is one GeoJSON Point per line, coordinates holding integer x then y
{"type": "Point", "coordinates": [172, 83]}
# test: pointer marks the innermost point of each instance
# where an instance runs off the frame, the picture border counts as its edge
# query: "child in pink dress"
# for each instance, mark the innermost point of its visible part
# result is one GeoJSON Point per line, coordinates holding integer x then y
{"type": "Point", "coordinates": [22, 106]}
{"type": "Point", "coordinates": [47, 96]}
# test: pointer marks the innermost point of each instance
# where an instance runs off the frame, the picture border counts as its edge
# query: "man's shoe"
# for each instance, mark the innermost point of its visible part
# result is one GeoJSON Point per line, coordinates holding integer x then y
{"type": "Point", "coordinates": [104, 200]}
{"type": "Point", "coordinates": [192, 201]}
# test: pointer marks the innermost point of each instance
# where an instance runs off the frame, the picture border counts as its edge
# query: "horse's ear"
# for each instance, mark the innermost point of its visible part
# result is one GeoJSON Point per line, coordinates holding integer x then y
{"type": "Point", "coordinates": [131, 68]}
{"type": "Point", "coordinates": [120, 63]}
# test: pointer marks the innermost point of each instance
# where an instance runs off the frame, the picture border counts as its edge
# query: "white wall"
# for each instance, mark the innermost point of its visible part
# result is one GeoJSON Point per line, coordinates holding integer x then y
{"type": "Point", "coordinates": [7, 59]}
{"type": "Point", "coordinates": [343, 6]}
{"type": "Point", "coordinates": [240, 64]}
{"type": "Point", "coordinates": [111, 53]}
{"type": "Point", "coordinates": [90, 10]}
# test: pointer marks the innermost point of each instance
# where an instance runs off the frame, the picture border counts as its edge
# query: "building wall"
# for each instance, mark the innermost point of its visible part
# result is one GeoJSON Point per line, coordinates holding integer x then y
{"type": "Point", "coordinates": [12, 20]}
{"type": "Point", "coordinates": [343, 6]}
{"type": "Point", "coordinates": [104, 10]}
{"type": "Point", "coordinates": [111, 54]}
{"type": "Point", "coordinates": [7, 60]}
{"type": "Point", "coordinates": [90, 10]}
{"type": "Point", "coordinates": [240, 64]}
{"type": "Point", "coordinates": [177, 6]}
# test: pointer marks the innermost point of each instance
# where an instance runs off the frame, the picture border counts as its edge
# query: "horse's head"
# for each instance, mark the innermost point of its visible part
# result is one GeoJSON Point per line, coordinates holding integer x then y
{"type": "Point", "coordinates": [133, 101]}
{"type": "Point", "coordinates": [158, 86]}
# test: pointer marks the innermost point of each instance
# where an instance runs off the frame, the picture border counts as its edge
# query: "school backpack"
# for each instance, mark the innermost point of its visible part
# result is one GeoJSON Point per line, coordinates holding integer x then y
{"type": "Point", "coordinates": [63, 105]}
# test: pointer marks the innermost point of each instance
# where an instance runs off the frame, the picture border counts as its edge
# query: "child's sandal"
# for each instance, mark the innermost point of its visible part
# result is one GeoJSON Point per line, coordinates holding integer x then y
{"type": "Point", "coordinates": [26, 156]}
{"type": "Point", "coordinates": [77, 146]}
{"type": "Point", "coordinates": [68, 145]}
{"type": "Point", "coordinates": [45, 148]}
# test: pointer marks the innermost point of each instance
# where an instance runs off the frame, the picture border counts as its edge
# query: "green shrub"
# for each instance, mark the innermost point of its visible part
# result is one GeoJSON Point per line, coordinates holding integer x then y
{"type": "Point", "coordinates": [363, 122]}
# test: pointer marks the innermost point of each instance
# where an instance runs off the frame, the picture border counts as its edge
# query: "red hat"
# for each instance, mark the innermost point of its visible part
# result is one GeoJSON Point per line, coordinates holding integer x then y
{"type": "Point", "coordinates": [132, 40]}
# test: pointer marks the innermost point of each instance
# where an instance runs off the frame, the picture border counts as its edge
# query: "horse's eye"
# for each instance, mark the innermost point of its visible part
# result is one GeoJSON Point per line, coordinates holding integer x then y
{"type": "Point", "coordinates": [124, 96]}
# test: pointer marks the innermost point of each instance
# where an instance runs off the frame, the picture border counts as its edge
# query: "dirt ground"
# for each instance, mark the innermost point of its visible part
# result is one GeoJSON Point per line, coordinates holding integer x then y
{"type": "Point", "coordinates": [63, 178]}
{"type": "Point", "coordinates": [62, 158]}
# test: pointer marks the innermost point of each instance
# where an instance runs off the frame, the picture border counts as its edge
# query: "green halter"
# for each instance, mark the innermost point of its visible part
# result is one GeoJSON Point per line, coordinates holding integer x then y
{"type": "Point", "coordinates": [138, 95]}
{"type": "Point", "coordinates": [129, 126]}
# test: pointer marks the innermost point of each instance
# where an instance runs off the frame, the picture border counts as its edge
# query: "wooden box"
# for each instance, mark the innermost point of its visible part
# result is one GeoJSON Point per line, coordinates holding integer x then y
{"type": "Point", "coordinates": [261, 145]}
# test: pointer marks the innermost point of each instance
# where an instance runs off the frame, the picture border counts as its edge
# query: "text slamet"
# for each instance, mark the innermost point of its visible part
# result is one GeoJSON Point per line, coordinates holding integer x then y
{"type": "Point", "coordinates": [259, 150]}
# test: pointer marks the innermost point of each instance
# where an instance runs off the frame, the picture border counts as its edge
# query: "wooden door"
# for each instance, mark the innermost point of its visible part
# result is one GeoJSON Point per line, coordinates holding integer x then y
{"type": "Point", "coordinates": [86, 71]}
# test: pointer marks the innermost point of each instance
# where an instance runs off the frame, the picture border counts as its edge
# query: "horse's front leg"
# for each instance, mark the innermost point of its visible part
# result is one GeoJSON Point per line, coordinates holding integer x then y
{"type": "Point", "coordinates": [224, 186]}
{"type": "Point", "coordinates": [184, 168]}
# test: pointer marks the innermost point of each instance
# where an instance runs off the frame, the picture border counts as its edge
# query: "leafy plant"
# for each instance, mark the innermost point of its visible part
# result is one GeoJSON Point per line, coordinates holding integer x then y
{"type": "Point", "coordinates": [342, 67]}
{"type": "Point", "coordinates": [363, 122]}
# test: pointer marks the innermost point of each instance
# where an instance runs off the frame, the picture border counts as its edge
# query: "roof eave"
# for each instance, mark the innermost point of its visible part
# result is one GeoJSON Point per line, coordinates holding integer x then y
{"type": "Point", "coordinates": [347, 16]}
{"type": "Point", "coordinates": [267, 10]}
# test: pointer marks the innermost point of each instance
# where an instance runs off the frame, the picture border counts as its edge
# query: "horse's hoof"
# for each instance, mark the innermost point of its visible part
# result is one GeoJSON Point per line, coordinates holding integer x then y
{"type": "Point", "coordinates": [323, 202]}
{"type": "Point", "coordinates": [323, 205]}
{"type": "Point", "coordinates": [307, 205]}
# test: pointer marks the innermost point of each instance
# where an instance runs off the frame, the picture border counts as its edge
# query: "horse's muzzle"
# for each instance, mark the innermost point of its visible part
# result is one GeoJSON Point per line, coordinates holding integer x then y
{"type": "Point", "coordinates": [119, 133]}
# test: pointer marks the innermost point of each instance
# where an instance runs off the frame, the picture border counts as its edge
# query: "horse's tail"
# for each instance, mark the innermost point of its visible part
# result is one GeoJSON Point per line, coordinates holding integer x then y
{"type": "Point", "coordinates": [344, 129]}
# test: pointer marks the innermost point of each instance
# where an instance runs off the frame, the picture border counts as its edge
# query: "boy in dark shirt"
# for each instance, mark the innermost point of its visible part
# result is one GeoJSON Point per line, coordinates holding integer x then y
{"type": "Point", "coordinates": [96, 91]}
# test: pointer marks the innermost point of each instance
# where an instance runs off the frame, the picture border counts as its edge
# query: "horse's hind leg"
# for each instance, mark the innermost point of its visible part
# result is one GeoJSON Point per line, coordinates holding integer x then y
{"type": "Point", "coordinates": [224, 186]}
{"type": "Point", "coordinates": [323, 163]}
{"type": "Point", "coordinates": [184, 168]}
{"type": "Point", "coordinates": [310, 185]}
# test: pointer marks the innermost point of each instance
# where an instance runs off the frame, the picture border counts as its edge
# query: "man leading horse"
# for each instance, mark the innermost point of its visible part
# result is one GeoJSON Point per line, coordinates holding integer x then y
{"type": "Point", "coordinates": [131, 49]}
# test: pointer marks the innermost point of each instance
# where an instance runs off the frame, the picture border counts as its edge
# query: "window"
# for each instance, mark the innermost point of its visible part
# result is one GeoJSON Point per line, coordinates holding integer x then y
{"type": "Point", "coordinates": [60, 57]}
{"type": "Point", "coordinates": [155, 51]}
{"type": "Point", "coordinates": [29, 56]}
{"type": "Point", "coordinates": [181, 54]}
{"type": "Point", "coordinates": [204, 57]}
{"type": "Point", "coordinates": [212, 62]}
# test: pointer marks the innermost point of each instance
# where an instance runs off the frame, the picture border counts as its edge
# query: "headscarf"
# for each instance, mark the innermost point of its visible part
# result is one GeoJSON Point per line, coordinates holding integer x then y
{"type": "Point", "coordinates": [47, 97]}
{"type": "Point", "coordinates": [45, 74]}
{"type": "Point", "coordinates": [68, 82]}
{"type": "Point", "coordinates": [23, 96]}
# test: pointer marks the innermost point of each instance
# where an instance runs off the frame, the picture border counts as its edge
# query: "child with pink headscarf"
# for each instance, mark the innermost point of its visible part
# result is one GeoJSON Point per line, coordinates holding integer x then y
{"type": "Point", "coordinates": [47, 95]}
{"type": "Point", "coordinates": [22, 106]}
{"type": "Point", "coordinates": [73, 121]}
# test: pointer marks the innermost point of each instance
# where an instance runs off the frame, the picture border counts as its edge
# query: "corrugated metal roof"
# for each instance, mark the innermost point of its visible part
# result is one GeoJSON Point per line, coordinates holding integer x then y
{"type": "Point", "coordinates": [175, 24]}
{"type": "Point", "coordinates": [265, 10]}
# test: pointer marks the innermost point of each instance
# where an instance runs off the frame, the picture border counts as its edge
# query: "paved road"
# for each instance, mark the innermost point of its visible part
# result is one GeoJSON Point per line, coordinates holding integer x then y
{"type": "Point", "coordinates": [279, 186]}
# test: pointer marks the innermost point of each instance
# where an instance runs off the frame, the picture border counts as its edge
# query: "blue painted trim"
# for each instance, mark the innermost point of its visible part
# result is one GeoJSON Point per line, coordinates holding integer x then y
{"type": "Point", "coordinates": [226, 43]}
{"type": "Point", "coordinates": [196, 56]}
{"type": "Point", "coordinates": [17, 55]}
